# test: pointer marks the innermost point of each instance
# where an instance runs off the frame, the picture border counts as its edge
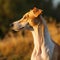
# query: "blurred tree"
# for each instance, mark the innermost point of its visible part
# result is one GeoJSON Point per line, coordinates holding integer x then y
{"type": "Point", "coordinates": [56, 13]}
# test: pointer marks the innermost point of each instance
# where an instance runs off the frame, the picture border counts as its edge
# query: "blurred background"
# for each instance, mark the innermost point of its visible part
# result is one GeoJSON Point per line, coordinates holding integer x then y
{"type": "Point", "coordinates": [16, 46]}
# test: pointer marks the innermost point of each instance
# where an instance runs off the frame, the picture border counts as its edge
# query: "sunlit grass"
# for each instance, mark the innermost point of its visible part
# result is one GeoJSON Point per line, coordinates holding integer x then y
{"type": "Point", "coordinates": [16, 46]}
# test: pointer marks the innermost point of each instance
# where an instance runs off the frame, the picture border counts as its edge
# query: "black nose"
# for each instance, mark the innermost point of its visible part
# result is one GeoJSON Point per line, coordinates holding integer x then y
{"type": "Point", "coordinates": [11, 25]}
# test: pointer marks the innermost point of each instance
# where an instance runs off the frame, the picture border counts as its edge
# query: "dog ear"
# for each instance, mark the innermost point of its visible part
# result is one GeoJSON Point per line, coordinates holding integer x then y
{"type": "Point", "coordinates": [36, 11]}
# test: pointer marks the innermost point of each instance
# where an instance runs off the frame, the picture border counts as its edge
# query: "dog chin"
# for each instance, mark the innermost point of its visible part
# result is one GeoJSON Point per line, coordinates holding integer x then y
{"type": "Point", "coordinates": [14, 30]}
{"type": "Point", "coordinates": [17, 30]}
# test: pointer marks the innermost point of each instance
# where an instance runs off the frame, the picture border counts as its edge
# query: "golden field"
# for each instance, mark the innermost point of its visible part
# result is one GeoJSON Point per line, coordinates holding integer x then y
{"type": "Point", "coordinates": [19, 46]}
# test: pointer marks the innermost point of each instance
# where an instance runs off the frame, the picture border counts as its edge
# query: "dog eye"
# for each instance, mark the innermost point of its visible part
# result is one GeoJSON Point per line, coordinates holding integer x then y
{"type": "Point", "coordinates": [24, 17]}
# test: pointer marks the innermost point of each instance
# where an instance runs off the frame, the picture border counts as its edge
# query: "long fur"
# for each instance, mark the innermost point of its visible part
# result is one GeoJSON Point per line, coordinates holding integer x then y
{"type": "Point", "coordinates": [48, 42]}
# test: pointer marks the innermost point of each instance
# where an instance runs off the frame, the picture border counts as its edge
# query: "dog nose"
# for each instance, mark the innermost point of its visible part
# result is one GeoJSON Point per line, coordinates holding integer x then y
{"type": "Point", "coordinates": [11, 25]}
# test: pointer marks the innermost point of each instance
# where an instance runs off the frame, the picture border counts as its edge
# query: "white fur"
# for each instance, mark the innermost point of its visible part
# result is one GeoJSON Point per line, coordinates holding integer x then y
{"type": "Point", "coordinates": [46, 47]}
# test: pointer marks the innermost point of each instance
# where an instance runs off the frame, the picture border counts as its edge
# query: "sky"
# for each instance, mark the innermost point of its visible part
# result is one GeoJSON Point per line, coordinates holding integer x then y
{"type": "Point", "coordinates": [56, 2]}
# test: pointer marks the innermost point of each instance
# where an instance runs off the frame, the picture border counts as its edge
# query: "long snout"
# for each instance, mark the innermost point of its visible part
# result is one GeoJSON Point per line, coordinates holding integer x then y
{"type": "Point", "coordinates": [16, 26]}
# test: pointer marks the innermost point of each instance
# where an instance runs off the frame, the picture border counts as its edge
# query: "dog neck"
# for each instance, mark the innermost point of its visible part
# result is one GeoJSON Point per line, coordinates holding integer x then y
{"type": "Point", "coordinates": [40, 51]}
{"type": "Point", "coordinates": [43, 46]}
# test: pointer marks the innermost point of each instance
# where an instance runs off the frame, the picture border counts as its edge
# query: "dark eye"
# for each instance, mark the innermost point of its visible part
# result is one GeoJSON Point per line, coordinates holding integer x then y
{"type": "Point", "coordinates": [24, 17]}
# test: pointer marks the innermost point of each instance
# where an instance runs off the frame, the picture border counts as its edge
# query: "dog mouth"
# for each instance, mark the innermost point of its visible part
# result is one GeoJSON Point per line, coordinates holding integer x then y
{"type": "Point", "coordinates": [21, 28]}
{"type": "Point", "coordinates": [17, 30]}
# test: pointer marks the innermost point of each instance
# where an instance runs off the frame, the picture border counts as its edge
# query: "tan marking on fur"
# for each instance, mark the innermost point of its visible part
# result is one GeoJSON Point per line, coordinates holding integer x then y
{"type": "Point", "coordinates": [30, 16]}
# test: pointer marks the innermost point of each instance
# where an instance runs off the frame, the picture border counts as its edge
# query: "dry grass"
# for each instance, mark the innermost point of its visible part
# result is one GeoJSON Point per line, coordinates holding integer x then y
{"type": "Point", "coordinates": [18, 47]}
{"type": "Point", "coordinates": [54, 32]}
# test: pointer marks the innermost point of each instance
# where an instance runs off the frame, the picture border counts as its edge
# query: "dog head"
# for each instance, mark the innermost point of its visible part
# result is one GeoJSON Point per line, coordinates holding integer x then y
{"type": "Point", "coordinates": [28, 21]}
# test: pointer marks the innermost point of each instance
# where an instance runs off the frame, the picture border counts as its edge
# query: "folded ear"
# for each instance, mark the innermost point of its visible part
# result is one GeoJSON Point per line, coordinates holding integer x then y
{"type": "Point", "coordinates": [36, 11]}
